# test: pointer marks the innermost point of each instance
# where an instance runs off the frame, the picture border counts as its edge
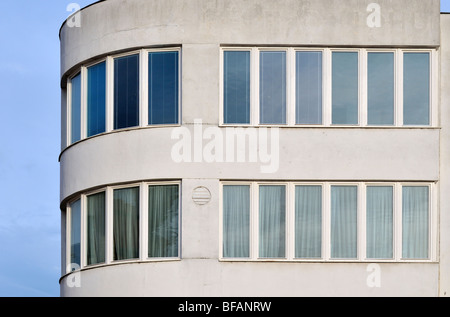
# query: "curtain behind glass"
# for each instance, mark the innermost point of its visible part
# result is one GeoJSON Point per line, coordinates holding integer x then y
{"type": "Point", "coordinates": [126, 223]}
{"type": "Point", "coordinates": [75, 232]}
{"type": "Point", "coordinates": [236, 221]}
{"type": "Point", "coordinates": [308, 221]}
{"type": "Point", "coordinates": [308, 87]}
{"type": "Point", "coordinates": [415, 222]}
{"type": "Point", "coordinates": [343, 222]}
{"type": "Point", "coordinates": [162, 221]}
{"type": "Point", "coordinates": [96, 228]}
{"type": "Point", "coordinates": [272, 220]}
{"type": "Point", "coordinates": [96, 99]}
{"type": "Point", "coordinates": [379, 222]}
{"type": "Point", "coordinates": [163, 87]}
{"type": "Point", "coordinates": [236, 90]}
{"type": "Point", "coordinates": [75, 114]}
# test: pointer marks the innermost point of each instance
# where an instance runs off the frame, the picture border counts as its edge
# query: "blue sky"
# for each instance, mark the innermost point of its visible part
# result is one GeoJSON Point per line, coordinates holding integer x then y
{"type": "Point", "coordinates": [30, 145]}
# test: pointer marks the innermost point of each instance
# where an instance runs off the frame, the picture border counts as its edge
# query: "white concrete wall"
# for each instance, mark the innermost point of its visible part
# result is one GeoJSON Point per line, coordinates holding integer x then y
{"type": "Point", "coordinates": [347, 154]}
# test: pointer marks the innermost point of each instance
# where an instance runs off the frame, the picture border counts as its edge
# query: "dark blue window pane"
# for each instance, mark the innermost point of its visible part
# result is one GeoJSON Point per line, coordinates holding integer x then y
{"type": "Point", "coordinates": [126, 91]}
{"type": "Point", "coordinates": [345, 88]}
{"type": "Point", "coordinates": [163, 88]}
{"type": "Point", "coordinates": [96, 98]}
{"type": "Point", "coordinates": [380, 87]}
{"type": "Point", "coordinates": [308, 87]}
{"type": "Point", "coordinates": [272, 88]}
{"type": "Point", "coordinates": [75, 111]}
{"type": "Point", "coordinates": [236, 87]}
{"type": "Point", "coordinates": [416, 88]}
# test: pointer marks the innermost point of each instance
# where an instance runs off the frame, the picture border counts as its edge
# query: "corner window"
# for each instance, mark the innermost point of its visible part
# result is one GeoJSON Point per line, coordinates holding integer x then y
{"type": "Point", "coordinates": [75, 234]}
{"type": "Point", "coordinates": [96, 226]}
{"type": "Point", "coordinates": [96, 99]}
{"type": "Point", "coordinates": [75, 109]}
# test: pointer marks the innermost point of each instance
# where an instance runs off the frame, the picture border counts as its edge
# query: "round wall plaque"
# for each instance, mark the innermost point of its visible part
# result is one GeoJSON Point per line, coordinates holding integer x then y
{"type": "Point", "coordinates": [201, 195]}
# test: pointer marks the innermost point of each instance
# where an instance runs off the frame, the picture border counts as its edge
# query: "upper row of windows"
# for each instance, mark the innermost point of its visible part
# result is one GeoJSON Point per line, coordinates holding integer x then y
{"type": "Point", "coordinates": [355, 87]}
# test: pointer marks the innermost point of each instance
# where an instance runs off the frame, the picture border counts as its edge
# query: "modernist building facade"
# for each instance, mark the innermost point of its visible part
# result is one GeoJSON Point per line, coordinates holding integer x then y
{"type": "Point", "coordinates": [256, 148]}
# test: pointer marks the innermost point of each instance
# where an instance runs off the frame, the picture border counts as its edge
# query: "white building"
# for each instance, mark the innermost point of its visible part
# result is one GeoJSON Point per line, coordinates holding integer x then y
{"type": "Point", "coordinates": [256, 148]}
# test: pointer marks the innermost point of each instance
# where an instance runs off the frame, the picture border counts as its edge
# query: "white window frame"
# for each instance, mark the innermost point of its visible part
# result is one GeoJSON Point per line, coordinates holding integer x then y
{"type": "Point", "coordinates": [143, 225]}
{"type": "Point", "coordinates": [326, 221]}
{"type": "Point", "coordinates": [327, 86]}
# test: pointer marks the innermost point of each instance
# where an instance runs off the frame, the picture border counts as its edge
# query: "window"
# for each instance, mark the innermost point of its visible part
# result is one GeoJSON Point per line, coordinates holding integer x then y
{"type": "Point", "coordinates": [75, 234]}
{"type": "Point", "coordinates": [236, 86]}
{"type": "Point", "coordinates": [324, 87]}
{"type": "Point", "coordinates": [126, 223]}
{"type": "Point", "coordinates": [96, 226]}
{"type": "Point", "coordinates": [416, 88]}
{"type": "Point", "coordinates": [163, 87]}
{"type": "Point", "coordinates": [272, 87]}
{"type": "Point", "coordinates": [75, 108]}
{"type": "Point", "coordinates": [327, 222]}
{"type": "Point", "coordinates": [381, 88]}
{"type": "Point", "coordinates": [345, 96]}
{"type": "Point", "coordinates": [308, 87]}
{"type": "Point", "coordinates": [96, 99]}
{"type": "Point", "coordinates": [126, 91]}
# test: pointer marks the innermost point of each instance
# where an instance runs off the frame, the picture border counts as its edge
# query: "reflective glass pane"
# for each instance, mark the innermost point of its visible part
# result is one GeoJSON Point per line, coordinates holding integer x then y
{"type": "Point", "coordinates": [379, 222]}
{"type": "Point", "coordinates": [75, 111]}
{"type": "Point", "coordinates": [308, 221]}
{"type": "Point", "coordinates": [344, 222]}
{"type": "Point", "coordinates": [272, 221]}
{"type": "Point", "coordinates": [416, 88]}
{"type": "Point", "coordinates": [308, 87]}
{"type": "Point", "coordinates": [415, 222]}
{"type": "Point", "coordinates": [96, 99]}
{"type": "Point", "coordinates": [163, 88]}
{"type": "Point", "coordinates": [96, 228]}
{"type": "Point", "coordinates": [345, 88]}
{"type": "Point", "coordinates": [236, 90]}
{"type": "Point", "coordinates": [272, 87]}
{"type": "Point", "coordinates": [126, 91]}
{"type": "Point", "coordinates": [380, 92]}
{"type": "Point", "coordinates": [75, 234]}
{"type": "Point", "coordinates": [236, 221]}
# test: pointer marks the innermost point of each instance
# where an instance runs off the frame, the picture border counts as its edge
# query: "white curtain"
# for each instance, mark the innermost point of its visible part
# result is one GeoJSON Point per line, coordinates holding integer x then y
{"type": "Point", "coordinates": [308, 221]}
{"type": "Point", "coordinates": [379, 217]}
{"type": "Point", "coordinates": [96, 228]}
{"type": "Point", "coordinates": [126, 223]}
{"type": "Point", "coordinates": [163, 221]}
{"type": "Point", "coordinates": [272, 219]}
{"type": "Point", "coordinates": [415, 222]}
{"type": "Point", "coordinates": [75, 232]}
{"type": "Point", "coordinates": [236, 221]}
{"type": "Point", "coordinates": [344, 222]}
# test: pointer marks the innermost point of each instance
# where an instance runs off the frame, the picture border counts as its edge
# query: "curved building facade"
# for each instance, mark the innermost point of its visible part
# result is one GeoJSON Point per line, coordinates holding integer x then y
{"type": "Point", "coordinates": [255, 148]}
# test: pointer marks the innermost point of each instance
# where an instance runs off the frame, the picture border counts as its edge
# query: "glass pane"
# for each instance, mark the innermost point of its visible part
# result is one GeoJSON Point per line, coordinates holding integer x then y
{"type": "Point", "coordinates": [236, 87]}
{"type": "Point", "coordinates": [379, 217]}
{"type": "Point", "coordinates": [272, 221]}
{"type": "Point", "coordinates": [75, 113]}
{"type": "Point", "coordinates": [75, 233]}
{"type": "Point", "coordinates": [236, 221]}
{"type": "Point", "coordinates": [126, 91]}
{"type": "Point", "coordinates": [163, 88]}
{"type": "Point", "coordinates": [345, 88]}
{"type": "Point", "coordinates": [96, 228]}
{"type": "Point", "coordinates": [344, 222]}
{"type": "Point", "coordinates": [308, 87]}
{"type": "Point", "coordinates": [126, 223]}
{"type": "Point", "coordinates": [415, 222]}
{"type": "Point", "coordinates": [416, 88]}
{"type": "Point", "coordinates": [308, 221]}
{"type": "Point", "coordinates": [272, 87]}
{"type": "Point", "coordinates": [96, 99]}
{"type": "Point", "coordinates": [163, 221]}
{"type": "Point", "coordinates": [380, 78]}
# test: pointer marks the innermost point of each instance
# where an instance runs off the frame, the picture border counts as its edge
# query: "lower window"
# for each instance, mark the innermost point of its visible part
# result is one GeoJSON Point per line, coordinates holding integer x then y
{"type": "Point", "coordinates": [327, 221]}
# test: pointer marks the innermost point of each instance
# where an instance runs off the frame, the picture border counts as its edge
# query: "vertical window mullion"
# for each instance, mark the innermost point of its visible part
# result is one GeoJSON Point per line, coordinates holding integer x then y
{"type": "Point", "coordinates": [327, 87]}
{"type": "Point", "coordinates": [290, 87]}
{"type": "Point", "coordinates": [143, 220]}
{"type": "Point", "coordinates": [143, 88]}
{"type": "Point", "coordinates": [363, 89]}
{"type": "Point", "coordinates": [109, 225]}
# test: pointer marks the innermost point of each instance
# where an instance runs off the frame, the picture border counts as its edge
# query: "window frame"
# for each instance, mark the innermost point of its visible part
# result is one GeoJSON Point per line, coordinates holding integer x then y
{"type": "Point", "coordinates": [326, 221]}
{"type": "Point", "coordinates": [109, 222]}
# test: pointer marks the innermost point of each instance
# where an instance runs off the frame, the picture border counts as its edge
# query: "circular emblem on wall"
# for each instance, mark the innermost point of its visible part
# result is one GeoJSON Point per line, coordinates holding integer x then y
{"type": "Point", "coordinates": [201, 195]}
